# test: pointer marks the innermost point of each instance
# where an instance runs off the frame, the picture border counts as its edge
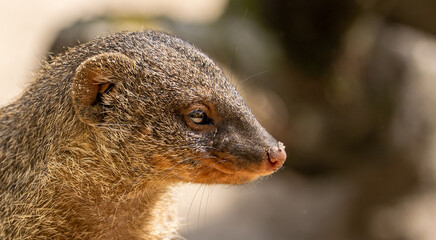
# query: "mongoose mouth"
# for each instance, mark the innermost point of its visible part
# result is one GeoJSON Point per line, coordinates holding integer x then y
{"type": "Point", "coordinates": [229, 169]}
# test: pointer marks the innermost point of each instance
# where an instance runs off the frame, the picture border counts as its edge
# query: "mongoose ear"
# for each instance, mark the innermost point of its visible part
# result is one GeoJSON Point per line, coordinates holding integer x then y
{"type": "Point", "coordinates": [92, 78]}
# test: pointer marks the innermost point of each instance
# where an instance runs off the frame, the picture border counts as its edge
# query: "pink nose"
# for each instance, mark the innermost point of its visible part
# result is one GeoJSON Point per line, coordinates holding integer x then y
{"type": "Point", "coordinates": [276, 157]}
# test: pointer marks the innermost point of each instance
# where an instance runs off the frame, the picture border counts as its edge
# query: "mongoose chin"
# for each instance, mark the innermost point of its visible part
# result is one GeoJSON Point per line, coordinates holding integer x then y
{"type": "Point", "coordinates": [95, 143]}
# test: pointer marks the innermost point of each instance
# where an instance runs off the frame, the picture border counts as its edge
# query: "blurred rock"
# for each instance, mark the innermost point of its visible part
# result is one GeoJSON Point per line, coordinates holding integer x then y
{"type": "Point", "coordinates": [418, 14]}
{"type": "Point", "coordinates": [413, 135]}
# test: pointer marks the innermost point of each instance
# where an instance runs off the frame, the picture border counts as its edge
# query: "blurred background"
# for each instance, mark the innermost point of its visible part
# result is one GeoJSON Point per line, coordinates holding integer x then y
{"type": "Point", "coordinates": [347, 85]}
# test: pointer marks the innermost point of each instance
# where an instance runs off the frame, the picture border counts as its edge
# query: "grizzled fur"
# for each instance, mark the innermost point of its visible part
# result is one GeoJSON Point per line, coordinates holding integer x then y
{"type": "Point", "coordinates": [81, 161]}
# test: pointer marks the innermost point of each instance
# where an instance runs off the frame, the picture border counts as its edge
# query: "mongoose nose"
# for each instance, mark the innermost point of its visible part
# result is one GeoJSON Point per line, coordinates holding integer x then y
{"type": "Point", "coordinates": [276, 157]}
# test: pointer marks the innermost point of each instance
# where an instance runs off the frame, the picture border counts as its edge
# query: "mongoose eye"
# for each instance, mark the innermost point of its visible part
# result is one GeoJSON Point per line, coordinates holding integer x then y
{"type": "Point", "coordinates": [200, 117]}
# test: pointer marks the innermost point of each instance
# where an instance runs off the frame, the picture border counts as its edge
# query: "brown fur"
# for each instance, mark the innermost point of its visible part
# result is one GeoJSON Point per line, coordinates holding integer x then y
{"type": "Point", "coordinates": [93, 146]}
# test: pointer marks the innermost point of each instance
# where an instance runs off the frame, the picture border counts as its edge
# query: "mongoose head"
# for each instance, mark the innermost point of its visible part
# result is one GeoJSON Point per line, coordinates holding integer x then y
{"type": "Point", "coordinates": [170, 111]}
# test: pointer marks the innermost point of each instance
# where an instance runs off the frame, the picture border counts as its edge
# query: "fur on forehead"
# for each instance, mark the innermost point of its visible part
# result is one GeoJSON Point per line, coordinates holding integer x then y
{"type": "Point", "coordinates": [201, 77]}
{"type": "Point", "coordinates": [188, 63]}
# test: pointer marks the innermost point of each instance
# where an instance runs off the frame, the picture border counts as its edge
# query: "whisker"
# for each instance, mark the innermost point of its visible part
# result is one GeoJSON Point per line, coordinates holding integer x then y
{"type": "Point", "coordinates": [189, 209]}
{"type": "Point", "coordinates": [195, 146]}
{"type": "Point", "coordinates": [199, 207]}
{"type": "Point", "coordinates": [210, 167]}
{"type": "Point", "coordinates": [191, 158]}
{"type": "Point", "coordinates": [235, 48]}
{"type": "Point", "coordinates": [208, 198]}
{"type": "Point", "coordinates": [254, 76]}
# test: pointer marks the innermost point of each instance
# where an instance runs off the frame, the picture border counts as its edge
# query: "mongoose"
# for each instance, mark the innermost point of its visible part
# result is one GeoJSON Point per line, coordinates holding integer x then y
{"type": "Point", "coordinates": [93, 146]}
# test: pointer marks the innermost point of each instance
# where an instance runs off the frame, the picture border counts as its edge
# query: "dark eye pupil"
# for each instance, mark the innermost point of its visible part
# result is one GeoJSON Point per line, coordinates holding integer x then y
{"type": "Point", "coordinates": [199, 117]}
